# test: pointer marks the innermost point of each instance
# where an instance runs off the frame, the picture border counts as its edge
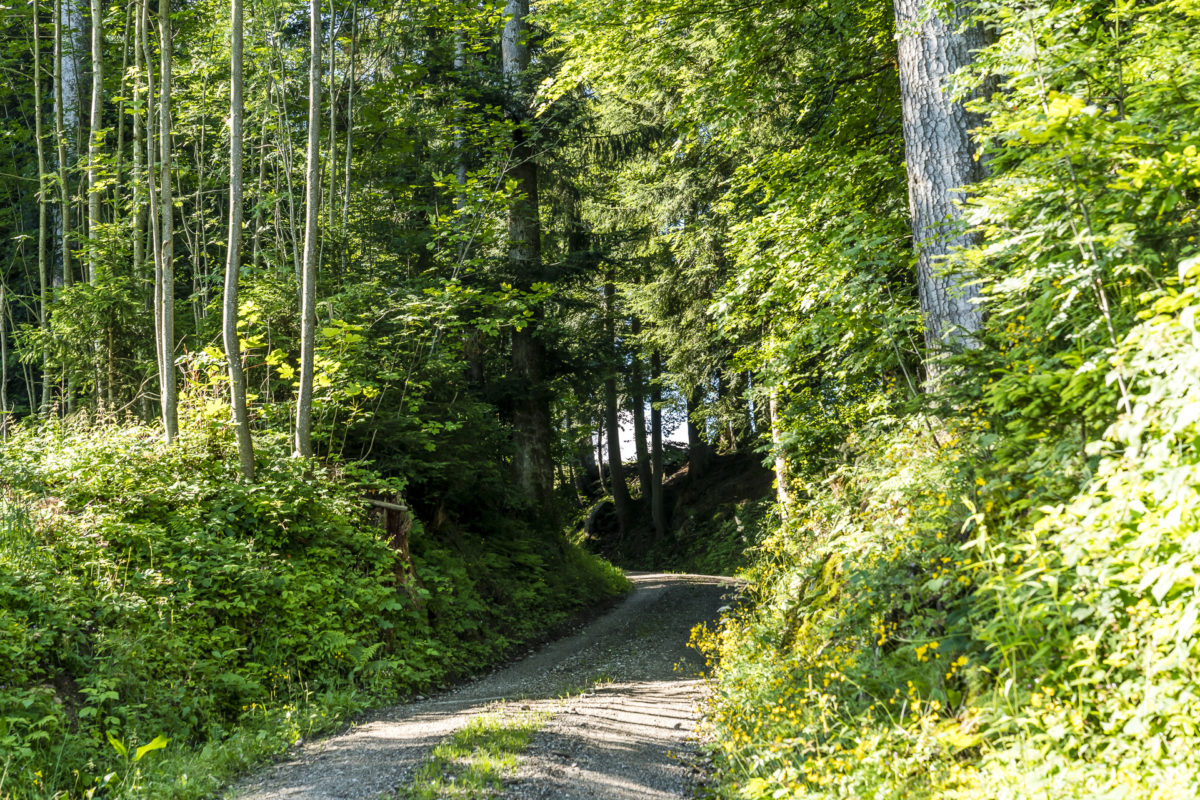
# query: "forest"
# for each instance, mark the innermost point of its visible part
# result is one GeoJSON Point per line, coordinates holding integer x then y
{"type": "Point", "coordinates": [346, 347]}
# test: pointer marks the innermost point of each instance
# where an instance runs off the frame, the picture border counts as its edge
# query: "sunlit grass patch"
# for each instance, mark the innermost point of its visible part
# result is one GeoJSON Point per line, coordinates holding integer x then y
{"type": "Point", "coordinates": [474, 761]}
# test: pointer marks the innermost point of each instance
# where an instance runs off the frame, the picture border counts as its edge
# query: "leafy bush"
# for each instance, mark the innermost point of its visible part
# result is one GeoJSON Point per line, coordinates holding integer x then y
{"type": "Point", "coordinates": [146, 592]}
{"type": "Point", "coordinates": [999, 600]}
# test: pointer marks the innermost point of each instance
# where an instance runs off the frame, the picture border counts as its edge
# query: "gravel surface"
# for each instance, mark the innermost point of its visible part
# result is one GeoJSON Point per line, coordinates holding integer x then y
{"type": "Point", "coordinates": [621, 697]}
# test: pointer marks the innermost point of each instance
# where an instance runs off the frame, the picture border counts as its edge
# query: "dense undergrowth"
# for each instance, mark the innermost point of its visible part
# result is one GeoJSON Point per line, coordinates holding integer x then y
{"type": "Point", "coordinates": [991, 591]}
{"type": "Point", "coordinates": [919, 631]}
{"type": "Point", "coordinates": [149, 597]}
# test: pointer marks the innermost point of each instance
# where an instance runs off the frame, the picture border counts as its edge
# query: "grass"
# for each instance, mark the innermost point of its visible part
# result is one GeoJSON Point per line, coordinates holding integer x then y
{"type": "Point", "coordinates": [473, 763]}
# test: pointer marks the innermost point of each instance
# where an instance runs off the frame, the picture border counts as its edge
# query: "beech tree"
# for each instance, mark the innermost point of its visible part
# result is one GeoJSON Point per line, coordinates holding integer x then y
{"type": "Point", "coordinates": [43, 255]}
{"type": "Point", "coordinates": [533, 462]}
{"type": "Point", "coordinates": [308, 276]}
{"type": "Point", "coordinates": [96, 119]}
{"type": "Point", "coordinates": [164, 266]}
{"type": "Point", "coordinates": [229, 305]}
{"type": "Point", "coordinates": [66, 123]}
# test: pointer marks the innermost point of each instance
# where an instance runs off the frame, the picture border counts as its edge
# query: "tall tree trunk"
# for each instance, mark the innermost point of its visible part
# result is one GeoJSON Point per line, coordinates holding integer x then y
{"type": "Point", "coordinates": [532, 426]}
{"type": "Point", "coordinates": [612, 422]}
{"type": "Point", "coordinates": [198, 245]}
{"type": "Point", "coordinates": [137, 216]}
{"type": "Point", "coordinates": [330, 197]}
{"type": "Point", "coordinates": [233, 260]}
{"type": "Point", "coordinates": [351, 68]}
{"type": "Point", "coordinates": [152, 199]}
{"type": "Point", "coordinates": [96, 120]}
{"type": "Point", "coordinates": [43, 244]}
{"type": "Point", "coordinates": [657, 508]}
{"type": "Point", "coordinates": [3, 361]}
{"type": "Point", "coordinates": [66, 100]}
{"type": "Point", "coordinates": [166, 290]}
{"type": "Point", "coordinates": [600, 457]}
{"type": "Point", "coordinates": [460, 156]}
{"type": "Point", "coordinates": [119, 165]}
{"type": "Point", "coordinates": [308, 276]}
{"type": "Point", "coordinates": [698, 452]}
{"type": "Point", "coordinates": [68, 30]}
{"type": "Point", "coordinates": [637, 393]}
{"type": "Point", "coordinates": [584, 460]}
{"type": "Point", "coordinates": [941, 162]}
{"type": "Point", "coordinates": [782, 492]}
{"type": "Point", "coordinates": [154, 230]}
{"type": "Point", "coordinates": [260, 191]}
{"type": "Point", "coordinates": [95, 252]}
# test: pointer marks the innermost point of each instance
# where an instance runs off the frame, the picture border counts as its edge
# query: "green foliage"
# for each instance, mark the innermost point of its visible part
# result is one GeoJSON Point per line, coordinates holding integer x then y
{"type": "Point", "coordinates": [997, 602]}
{"type": "Point", "coordinates": [844, 675]}
{"type": "Point", "coordinates": [148, 595]}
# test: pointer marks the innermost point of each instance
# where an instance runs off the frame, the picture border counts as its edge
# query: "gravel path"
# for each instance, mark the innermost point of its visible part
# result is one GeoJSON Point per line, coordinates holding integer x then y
{"type": "Point", "coordinates": [620, 694]}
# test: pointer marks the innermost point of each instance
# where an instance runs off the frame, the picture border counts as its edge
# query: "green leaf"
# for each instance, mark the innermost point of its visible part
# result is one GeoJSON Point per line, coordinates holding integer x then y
{"type": "Point", "coordinates": [158, 743]}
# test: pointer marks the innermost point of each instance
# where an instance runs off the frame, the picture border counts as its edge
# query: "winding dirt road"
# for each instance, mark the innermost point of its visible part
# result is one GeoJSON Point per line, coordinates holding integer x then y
{"type": "Point", "coordinates": [619, 697]}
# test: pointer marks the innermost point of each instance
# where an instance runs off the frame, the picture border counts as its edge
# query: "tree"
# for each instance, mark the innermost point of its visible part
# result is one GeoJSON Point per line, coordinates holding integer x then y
{"type": "Point", "coordinates": [782, 488]}
{"type": "Point", "coordinates": [308, 277]}
{"type": "Point", "coordinates": [637, 393]}
{"type": "Point", "coordinates": [95, 135]}
{"type": "Point", "coordinates": [229, 306]}
{"type": "Point", "coordinates": [941, 162]}
{"type": "Point", "coordinates": [657, 508]}
{"type": "Point", "coordinates": [140, 175]}
{"type": "Point", "coordinates": [165, 262]}
{"type": "Point", "coordinates": [533, 462]}
{"type": "Point", "coordinates": [66, 120]}
{"type": "Point", "coordinates": [42, 246]}
{"type": "Point", "coordinates": [612, 423]}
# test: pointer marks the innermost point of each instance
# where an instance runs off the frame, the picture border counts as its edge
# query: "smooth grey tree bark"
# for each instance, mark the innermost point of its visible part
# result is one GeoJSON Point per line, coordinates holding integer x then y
{"type": "Point", "coordinates": [122, 103]}
{"type": "Point", "coordinates": [68, 45]}
{"type": "Point", "coordinates": [152, 199]}
{"type": "Point", "coordinates": [165, 266]}
{"type": "Point", "coordinates": [140, 176]}
{"type": "Point", "coordinates": [42, 245]}
{"type": "Point", "coordinates": [67, 22]}
{"type": "Point", "coordinates": [233, 254]}
{"type": "Point", "coordinates": [308, 271]}
{"type": "Point", "coordinates": [942, 162]}
{"type": "Point", "coordinates": [351, 68]}
{"type": "Point", "coordinates": [3, 360]}
{"type": "Point", "coordinates": [96, 121]}
{"type": "Point", "coordinates": [533, 460]}
{"type": "Point", "coordinates": [137, 215]}
{"type": "Point", "coordinates": [101, 353]}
